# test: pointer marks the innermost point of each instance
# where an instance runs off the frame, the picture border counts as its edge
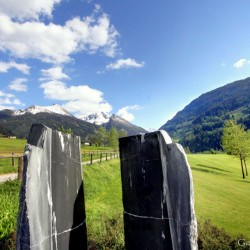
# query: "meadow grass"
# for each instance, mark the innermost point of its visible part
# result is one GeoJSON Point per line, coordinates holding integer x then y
{"type": "Point", "coordinates": [221, 194]}
{"type": "Point", "coordinates": [9, 192]}
{"type": "Point", "coordinates": [16, 146]}
{"type": "Point", "coordinates": [103, 201]}
{"type": "Point", "coordinates": [6, 166]}
{"type": "Point", "coordinates": [9, 146]}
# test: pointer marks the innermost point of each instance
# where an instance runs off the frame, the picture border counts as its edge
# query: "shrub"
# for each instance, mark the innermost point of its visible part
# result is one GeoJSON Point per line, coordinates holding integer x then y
{"type": "Point", "coordinates": [211, 237]}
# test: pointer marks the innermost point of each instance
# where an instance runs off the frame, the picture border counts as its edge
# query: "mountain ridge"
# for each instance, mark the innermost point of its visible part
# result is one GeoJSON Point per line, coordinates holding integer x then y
{"type": "Point", "coordinates": [19, 122]}
{"type": "Point", "coordinates": [199, 125]}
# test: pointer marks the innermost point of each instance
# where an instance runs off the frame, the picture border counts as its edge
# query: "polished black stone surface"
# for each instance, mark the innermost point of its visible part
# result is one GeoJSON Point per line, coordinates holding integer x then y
{"type": "Point", "coordinates": [157, 194]}
{"type": "Point", "coordinates": [51, 211]}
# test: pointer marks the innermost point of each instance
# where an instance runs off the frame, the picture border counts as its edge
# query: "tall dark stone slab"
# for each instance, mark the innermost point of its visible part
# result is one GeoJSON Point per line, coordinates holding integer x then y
{"type": "Point", "coordinates": [158, 195]}
{"type": "Point", "coordinates": [51, 210]}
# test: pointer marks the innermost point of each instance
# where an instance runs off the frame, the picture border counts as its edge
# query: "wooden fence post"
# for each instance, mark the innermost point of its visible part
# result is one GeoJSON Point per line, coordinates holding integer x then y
{"type": "Point", "coordinates": [20, 168]}
{"type": "Point", "coordinates": [13, 160]}
{"type": "Point", "coordinates": [100, 157]}
{"type": "Point", "coordinates": [91, 159]}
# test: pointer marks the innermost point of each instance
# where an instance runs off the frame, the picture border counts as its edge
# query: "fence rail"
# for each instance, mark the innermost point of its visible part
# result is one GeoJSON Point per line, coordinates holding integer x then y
{"type": "Point", "coordinates": [88, 158]}
{"type": "Point", "coordinates": [19, 158]}
{"type": "Point", "coordinates": [95, 156]}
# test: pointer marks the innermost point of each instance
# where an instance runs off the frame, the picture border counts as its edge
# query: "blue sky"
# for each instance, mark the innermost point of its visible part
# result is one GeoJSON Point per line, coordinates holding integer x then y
{"type": "Point", "coordinates": [142, 60]}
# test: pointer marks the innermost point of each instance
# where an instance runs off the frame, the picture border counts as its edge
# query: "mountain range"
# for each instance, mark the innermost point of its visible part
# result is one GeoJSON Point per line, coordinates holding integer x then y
{"type": "Point", "coordinates": [18, 122]}
{"type": "Point", "coordinates": [199, 125]}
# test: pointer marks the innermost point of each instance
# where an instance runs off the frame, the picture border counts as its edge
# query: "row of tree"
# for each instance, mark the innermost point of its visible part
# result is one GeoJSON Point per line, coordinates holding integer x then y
{"type": "Point", "coordinates": [236, 142]}
{"type": "Point", "coordinates": [102, 137]}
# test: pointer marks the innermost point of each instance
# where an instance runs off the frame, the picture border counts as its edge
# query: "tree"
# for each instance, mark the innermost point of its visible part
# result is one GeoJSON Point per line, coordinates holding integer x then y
{"type": "Point", "coordinates": [113, 138]}
{"type": "Point", "coordinates": [122, 133]}
{"type": "Point", "coordinates": [102, 136]}
{"type": "Point", "coordinates": [235, 141]}
{"type": "Point", "coordinates": [65, 131]}
{"type": "Point", "coordinates": [246, 152]}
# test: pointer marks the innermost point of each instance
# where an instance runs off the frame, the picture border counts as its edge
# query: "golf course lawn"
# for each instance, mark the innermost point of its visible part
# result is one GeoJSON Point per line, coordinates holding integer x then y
{"type": "Point", "coordinates": [221, 194]}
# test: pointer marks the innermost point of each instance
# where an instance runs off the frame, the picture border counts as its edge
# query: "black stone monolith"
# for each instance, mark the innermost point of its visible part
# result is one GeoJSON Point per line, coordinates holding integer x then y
{"type": "Point", "coordinates": [51, 210]}
{"type": "Point", "coordinates": [158, 196]}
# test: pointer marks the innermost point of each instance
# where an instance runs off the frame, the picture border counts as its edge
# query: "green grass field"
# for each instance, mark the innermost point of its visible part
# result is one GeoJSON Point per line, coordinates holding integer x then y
{"type": "Point", "coordinates": [221, 195]}
{"type": "Point", "coordinates": [16, 146]}
{"type": "Point", "coordinates": [9, 146]}
{"type": "Point", "coordinates": [103, 201]}
{"type": "Point", "coordinates": [220, 192]}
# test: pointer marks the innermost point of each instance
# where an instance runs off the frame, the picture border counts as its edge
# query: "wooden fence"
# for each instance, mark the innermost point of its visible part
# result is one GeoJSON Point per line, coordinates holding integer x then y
{"type": "Point", "coordinates": [98, 156]}
{"type": "Point", "coordinates": [92, 157]}
{"type": "Point", "coordinates": [15, 158]}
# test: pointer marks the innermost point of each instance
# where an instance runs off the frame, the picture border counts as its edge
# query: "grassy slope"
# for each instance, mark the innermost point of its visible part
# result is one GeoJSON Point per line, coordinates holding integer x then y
{"type": "Point", "coordinates": [103, 201]}
{"type": "Point", "coordinates": [220, 195]}
{"type": "Point", "coordinates": [220, 192]}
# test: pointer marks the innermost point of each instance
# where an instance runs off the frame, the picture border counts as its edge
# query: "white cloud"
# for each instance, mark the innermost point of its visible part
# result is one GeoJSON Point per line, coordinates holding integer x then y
{"type": "Point", "coordinates": [6, 107]}
{"type": "Point", "coordinates": [240, 63]}
{"type": "Point", "coordinates": [80, 100]}
{"type": "Point", "coordinates": [8, 101]}
{"type": "Point", "coordinates": [125, 63]}
{"type": "Point", "coordinates": [126, 114]}
{"type": "Point", "coordinates": [27, 9]}
{"type": "Point", "coordinates": [54, 43]}
{"type": "Point", "coordinates": [54, 73]}
{"type": "Point", "coordinates": [5, 66]}
{"type": "Point", "coordinates": [18, 85]}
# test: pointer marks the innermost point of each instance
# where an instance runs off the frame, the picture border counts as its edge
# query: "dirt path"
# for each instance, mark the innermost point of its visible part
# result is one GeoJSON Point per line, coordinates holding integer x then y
{"type": "Point", "coordinates": [6, 177]}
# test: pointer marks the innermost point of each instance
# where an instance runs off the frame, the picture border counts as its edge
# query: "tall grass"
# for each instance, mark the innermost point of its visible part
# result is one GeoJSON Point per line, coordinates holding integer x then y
{"type": "Point", "coordinates": [6, 165]}
{"type": "Point", "coordinates": [9, 192]}
{"type": "Point", "coordinates": [103, 200]}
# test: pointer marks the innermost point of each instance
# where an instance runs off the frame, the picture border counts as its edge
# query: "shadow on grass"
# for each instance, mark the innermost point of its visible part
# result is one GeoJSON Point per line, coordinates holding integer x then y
{"type": "Point", "coordinates": [218, 169]}
{"type": "Point", "coordinates": [206, 171]}
{"type": "Point", "coordinates": [244, 180]}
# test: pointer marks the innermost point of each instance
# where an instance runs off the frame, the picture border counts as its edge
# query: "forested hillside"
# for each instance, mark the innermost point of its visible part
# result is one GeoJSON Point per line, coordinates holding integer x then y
{"type": "Point", "coordinates": [199, 125]}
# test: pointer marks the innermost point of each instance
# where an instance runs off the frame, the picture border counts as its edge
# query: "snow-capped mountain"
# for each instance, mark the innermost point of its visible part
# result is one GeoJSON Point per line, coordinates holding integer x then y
{"type": "Point", "coordinates": [54, 109]}
{"type": "Point", "coordinates": [121, 124]}
{"type": "Point", "coordinates": [19, 122]}
{"type": "Point", "coordinates": [108, 121]}
{"type": "Point", "coordinates": [98, 118]}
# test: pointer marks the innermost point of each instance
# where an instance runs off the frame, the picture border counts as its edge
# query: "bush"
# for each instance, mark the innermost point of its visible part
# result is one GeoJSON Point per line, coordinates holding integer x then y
{"type": "Point", "coordinates": [8, 242]}
{"type": "Point", "coordinates": [210, 237]}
